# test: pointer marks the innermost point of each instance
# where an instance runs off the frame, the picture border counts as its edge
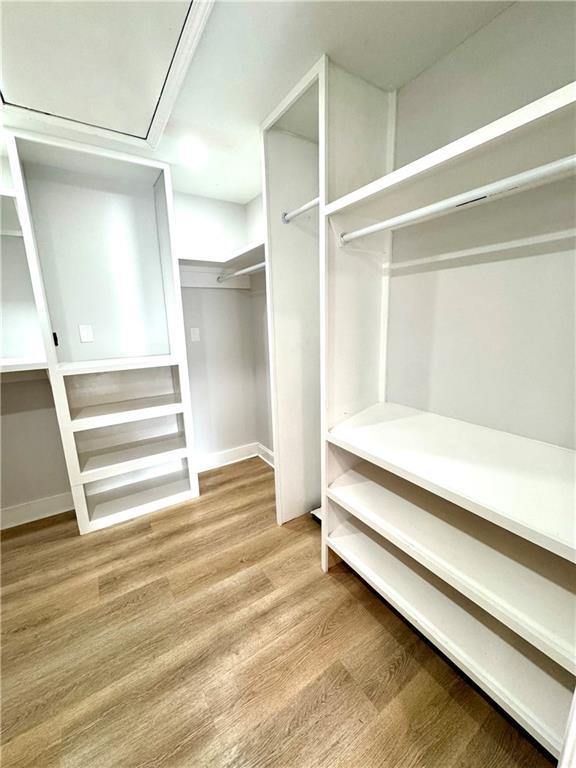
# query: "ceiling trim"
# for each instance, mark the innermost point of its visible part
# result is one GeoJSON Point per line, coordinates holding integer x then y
{"type": "Point", "coordinates": [27, 118]}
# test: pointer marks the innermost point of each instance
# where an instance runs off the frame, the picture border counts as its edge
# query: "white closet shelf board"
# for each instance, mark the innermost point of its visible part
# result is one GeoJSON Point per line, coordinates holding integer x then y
{"type": "Point", "coordinates": [125, 411]}
{"type": "Point", "coordinates": [547, 105]}
{"type": "Point", "coordinates": [128, 501]}
{"type": "Point", "coordinates": [116, 460]}
{"type": "Point", "coordinates": [523, 485]}
{"type": "Point", "coordinates": [534, 690]}
{"type": "Point", "coordinates": [116, 364]}
{"type": "Point", "coordinates": [245, 256]}
{"type": "Point", "coordinates": [475, 557]}
{"type": "Point", "coordinates": [10, 364]}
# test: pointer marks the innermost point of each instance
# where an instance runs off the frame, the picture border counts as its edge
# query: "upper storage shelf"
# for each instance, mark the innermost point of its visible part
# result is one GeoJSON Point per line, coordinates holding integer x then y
{"type": "Point", "coordinates": [541, 132]}
{"type": "Point", "coordinates": [523, 485]}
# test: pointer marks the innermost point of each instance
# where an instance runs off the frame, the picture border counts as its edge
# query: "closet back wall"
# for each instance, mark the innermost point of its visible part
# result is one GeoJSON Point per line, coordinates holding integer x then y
{"type": "Point", "coordinates": [81, 226]}
{"type": "Point", "coordinates": [488, 342]}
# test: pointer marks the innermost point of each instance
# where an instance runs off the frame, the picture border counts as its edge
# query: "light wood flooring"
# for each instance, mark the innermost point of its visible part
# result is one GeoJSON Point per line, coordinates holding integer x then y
{"type": "Point", "coordinates": [206, 636]}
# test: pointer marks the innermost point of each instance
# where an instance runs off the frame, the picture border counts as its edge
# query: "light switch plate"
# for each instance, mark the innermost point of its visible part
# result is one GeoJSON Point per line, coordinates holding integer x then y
{"type": "Point", "coordinates": [86, 333]}
{"type": "Point", "coordinates": [194, 334]}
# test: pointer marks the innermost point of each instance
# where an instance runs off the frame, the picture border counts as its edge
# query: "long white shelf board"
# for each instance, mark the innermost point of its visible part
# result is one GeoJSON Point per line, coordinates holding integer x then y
{"type": "Point", "coordinates": [12, 364]}
{"type": "Point", "coordinates": [108, 462]}
{"type": "Point", "coordinates": [116, 364]}
{"type": "Point", "coordinates": [523, 485]}
{"type": "Point", "coordinates": [528, 685]}
{"type": "Point", "coordinates": [127, 501]}
{"type": "Point", "coordinates": [527, 588]}
{"type": "Point", "coordinates": [251, 252]}
{"type": "Point", "coordinates": [552, 102]}
{"type": "Point", "coordinates": [125, 411]}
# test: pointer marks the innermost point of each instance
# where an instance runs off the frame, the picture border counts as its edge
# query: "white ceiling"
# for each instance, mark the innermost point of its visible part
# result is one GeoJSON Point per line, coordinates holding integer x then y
{"type": "Point", "coordinates": [253, 53]}
{"type": "Point", "coordinates": [105, 62]}
{"type": "Point", "coordinates": [99, 63]}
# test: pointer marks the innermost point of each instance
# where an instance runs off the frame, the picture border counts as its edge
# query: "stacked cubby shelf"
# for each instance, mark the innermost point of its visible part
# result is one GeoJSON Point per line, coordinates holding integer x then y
{"type": "Point", "coordinates": [468, 530]}
{"type": "Point", "coordinates": [96, 226]}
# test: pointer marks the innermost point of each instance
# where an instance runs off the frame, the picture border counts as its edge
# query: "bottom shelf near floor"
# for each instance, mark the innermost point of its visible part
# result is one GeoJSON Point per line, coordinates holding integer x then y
{"type": "Point", "coordinates": [110, 505]}
{"type": "Point", "coordinates": [527, 684]}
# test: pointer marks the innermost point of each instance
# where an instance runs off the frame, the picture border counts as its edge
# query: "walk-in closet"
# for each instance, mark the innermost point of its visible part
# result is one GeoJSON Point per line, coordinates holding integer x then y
{"type": "Point", "coordinates": [288, 384]}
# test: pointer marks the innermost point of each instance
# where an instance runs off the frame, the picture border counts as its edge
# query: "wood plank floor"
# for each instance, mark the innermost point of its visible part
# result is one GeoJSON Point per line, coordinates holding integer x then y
{"type": "Point", "coordinates": [207, 636]}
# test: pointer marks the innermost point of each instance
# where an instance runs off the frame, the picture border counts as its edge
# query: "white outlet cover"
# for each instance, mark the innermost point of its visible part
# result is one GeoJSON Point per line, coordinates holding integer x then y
{"type": "Point", "coordinates": [194, 334]}
{"type": "Point", "coordinates": [86, 334]}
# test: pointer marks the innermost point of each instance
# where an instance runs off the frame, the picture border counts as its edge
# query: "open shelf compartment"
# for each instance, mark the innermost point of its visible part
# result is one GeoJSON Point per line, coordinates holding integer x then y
{"type": "Point", "coordinates": [137, 493]}
{"type": "Point", "coordinates": [479, 559]}
{"type": "Point", "coordinates": [116, 397]}
{"type": "Point", "coordinates": [532, 688]}
{"type": "Point", "coordinates": [113, 450]}
{"type": "Point", "coordinates": [501, 477]}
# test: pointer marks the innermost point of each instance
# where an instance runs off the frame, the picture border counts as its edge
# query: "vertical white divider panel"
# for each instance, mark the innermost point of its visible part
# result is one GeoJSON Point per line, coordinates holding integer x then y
{"type": "Point", "coordinates": [293, 176]}
{"type": "Point", "coordinates": [163, 199]}
{"type": "Point", "coordinates": [56, 379]}
{"type": "Point", "coordinates": [359, 146]}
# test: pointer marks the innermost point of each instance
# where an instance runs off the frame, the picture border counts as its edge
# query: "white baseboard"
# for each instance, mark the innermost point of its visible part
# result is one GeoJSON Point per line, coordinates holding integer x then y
{"type": "Point", "coordinates": [217, 459]}
{"type": "Point", "coordinates": [35, 510]}
{"type": "Point", "coordinates": [266, 454]}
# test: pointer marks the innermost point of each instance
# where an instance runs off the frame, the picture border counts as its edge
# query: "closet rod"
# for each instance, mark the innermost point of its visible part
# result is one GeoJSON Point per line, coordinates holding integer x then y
{"type": "Point", "coordinates": [246, 271]}
{"type": "Point", "coordinates": [533, 177]}
{"type": "Point", "coordinates": [287, 217]}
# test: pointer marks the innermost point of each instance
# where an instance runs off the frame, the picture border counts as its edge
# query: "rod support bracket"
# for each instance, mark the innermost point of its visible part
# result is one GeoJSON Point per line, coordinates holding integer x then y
{"type": "Point", "coordinates": [284, 219]}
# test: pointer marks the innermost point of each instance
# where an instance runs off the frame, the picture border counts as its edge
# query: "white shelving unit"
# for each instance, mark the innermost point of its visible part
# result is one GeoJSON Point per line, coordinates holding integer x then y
{"type": "Point", "coordinates": [97, 227]}
{"type": "Point", "coordinates": [449, 470]}
{"type": "Point", "coordinates": [478, 559]}
{"type": "Point", "coordinates": [501, 477]}
{"type": "Point", "coordinates": [518, 678]}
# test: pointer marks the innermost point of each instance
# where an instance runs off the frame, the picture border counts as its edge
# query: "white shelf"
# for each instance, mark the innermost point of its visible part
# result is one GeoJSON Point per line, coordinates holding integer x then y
{"type": "Point", "coordinates": [253, 251]}
{"type": "Point", "coordinates": [534, 690]}
{"type": "Point", "coordinates": [128, 501]}
{"type": "Point", "coordinates": [108, 462]}
{"type": "Point", "coordinates": [552, 102]}
{"type": "Point", "coordinates": [124, 412]}
{"type": "Point", "coordinates": [10, 364]}
{"type": "Point", "coordinates": [480, 560]}
{"type": "Point", "coordinates": [116, 364]}
{"type": "Point", "coordinates": [523, 485]}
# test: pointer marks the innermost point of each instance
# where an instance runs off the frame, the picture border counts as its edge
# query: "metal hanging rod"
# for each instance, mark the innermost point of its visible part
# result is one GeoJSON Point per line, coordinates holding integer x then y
{"type": "Point", "coordinates": [287, 217]}
{"type": "Point", "coordinates": [246, 271]}
{"type": "Point", "coordinates": [532, 177]}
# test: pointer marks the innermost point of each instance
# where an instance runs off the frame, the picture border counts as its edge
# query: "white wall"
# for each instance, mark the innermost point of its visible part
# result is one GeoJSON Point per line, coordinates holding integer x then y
{"type": "Point", "coordinates": [228, 366]}
{"type": "Point", "coordinates": [20, 334]}
{"type": "Point", "coordinates": [207, 229]}
{"type": "Point", "coordinates": [32, 460]}
{"type": "Point", "coordinates": [221, 367]}
{"type": "Point", "coordinates": [490, 341]}
{"type": "Point", "coordinates": [98, 248]}
{"type": "Point", "coordinates": [524, 53]}
{"type": "Point", "coordinates": [255, 224]}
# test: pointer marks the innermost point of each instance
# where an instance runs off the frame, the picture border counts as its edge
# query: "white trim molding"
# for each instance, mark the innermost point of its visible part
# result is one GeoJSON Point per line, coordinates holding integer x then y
{"type": "Point", "coordinates": [36, 509]}
{"type": "Point", "coordinates": [215, 459]}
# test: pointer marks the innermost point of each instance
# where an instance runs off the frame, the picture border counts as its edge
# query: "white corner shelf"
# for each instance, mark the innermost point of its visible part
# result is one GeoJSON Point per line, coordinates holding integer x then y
{"type": "Point", "coordinates": [125, 411]}
{"type": "Point", "coordinates": [115, 364]}
{"type": "Point", "coordinates": [109, 462]}
{"type": "Point", "coordinates": [483, 562]}
{"type": "Point", "coordinates": [547, 105]}
{"type": "Point", "coordinates": [140, 498]}
{"type": "Point", "coordinates": [12, 364]}
{"type": "Point", "coordinates": [528, 685]}
{"type": "Point", "coordinates": [525, 486]}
